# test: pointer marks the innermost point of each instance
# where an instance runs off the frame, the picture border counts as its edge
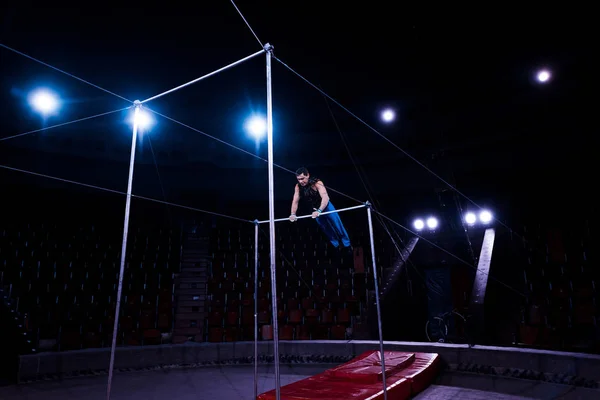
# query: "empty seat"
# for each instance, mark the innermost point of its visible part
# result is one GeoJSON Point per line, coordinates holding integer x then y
{"type": "Point", "coordinates": [215, 335]}
{"type": "Point", "coordinates": [152, 337]}
{"type": "Point", "coordinates": [295, 316]}
{"type": "Point", "coordinates": [302, 332]}
{"type": "Point", "coordinates": [264, 317]}
{"type": "Point", "coordinates": [343, 316]}
{"type": "Point", "coordinates": [338, 332]}
{"type": "Point", "coordinates": [286, 332]}
{"type": "Point", "coordinates": [266, 332]}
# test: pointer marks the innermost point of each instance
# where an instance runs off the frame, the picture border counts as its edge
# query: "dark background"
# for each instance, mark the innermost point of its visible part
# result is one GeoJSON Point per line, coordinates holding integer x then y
{"type": "Point", "coordinates": [461, 81]}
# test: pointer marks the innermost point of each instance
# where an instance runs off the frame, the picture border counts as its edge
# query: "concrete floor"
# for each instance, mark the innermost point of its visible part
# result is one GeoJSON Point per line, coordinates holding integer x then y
{"type": "Point", "coordinates": [222, 383]}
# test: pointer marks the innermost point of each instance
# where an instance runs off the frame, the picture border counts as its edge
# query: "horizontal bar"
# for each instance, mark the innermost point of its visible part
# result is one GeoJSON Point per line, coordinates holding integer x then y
{"type": "Point", "coordinates": [205, 76]}
{"type": "Point", "coordinates": [310, 215]}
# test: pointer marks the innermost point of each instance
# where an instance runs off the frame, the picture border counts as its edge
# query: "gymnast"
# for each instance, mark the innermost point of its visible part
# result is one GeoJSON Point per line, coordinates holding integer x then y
{"type": "Point", "coordinates": [313, 191]}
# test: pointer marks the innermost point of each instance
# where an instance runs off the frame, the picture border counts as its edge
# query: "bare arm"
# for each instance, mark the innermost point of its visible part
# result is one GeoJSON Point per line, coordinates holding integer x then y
{"type": "Point", "coordinates": [295, 200]}
{"type": "Point", "coordinates": [324, 196]}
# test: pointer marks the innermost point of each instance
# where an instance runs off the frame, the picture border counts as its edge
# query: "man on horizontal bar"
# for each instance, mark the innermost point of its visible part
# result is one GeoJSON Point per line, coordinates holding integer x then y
{"type": "Point", "coordinates": [314, 192]}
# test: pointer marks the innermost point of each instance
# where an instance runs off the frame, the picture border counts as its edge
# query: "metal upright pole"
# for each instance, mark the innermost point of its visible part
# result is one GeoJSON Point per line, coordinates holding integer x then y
{"type": "Point", "coordinates": [269, 50]}
{"type": "Point", "coordinates": [255, 309]}
{"type": "Point", "coordinates": [377, 299]}
{"type": "Point", "coordinates": [137, 106]}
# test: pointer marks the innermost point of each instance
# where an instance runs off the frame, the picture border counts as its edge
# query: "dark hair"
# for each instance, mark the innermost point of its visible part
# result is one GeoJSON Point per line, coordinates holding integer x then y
{"type": "Point", "coordinates": [301, 171]}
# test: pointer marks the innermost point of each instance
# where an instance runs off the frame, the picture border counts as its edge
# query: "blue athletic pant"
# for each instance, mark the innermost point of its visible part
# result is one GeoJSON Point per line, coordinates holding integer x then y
{"type": "Point", "coordinates": [332, 226]}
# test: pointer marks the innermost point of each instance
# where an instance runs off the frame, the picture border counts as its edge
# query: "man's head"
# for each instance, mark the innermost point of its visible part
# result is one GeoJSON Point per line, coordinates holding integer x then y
{"type": "Point", "coordinates": [302, 176]}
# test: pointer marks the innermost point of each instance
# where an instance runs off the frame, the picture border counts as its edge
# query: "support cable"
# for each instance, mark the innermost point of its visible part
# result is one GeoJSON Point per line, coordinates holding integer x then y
{"type": "Point", "coordinates": [371, 198]}
{"type": "Point", "coordinates": [63, 124]}
{"type": "Point", "coordinates": [242, 150]}
{"type": "Point", "coordinates": [121, 192]}
{"type": "Point", "coordinates": [387, 139]}
{"type": "Point", "coordinates": [403, 151]}
{"type": "Point", "coordinates": [248, 25]}
{"type": "Point", "coordinates": [64, 72]}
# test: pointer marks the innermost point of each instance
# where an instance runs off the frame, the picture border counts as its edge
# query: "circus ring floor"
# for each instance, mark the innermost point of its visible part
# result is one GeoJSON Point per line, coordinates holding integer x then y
{"type": "Point", "coordinates": [224, 371]}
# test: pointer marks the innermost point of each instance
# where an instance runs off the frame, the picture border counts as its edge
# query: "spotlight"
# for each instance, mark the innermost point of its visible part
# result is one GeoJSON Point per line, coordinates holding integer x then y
{"type": "Point", "coordinates": [419, 224]}
{"type": "Point", "coordinates": [143, 119]}
{"type": "Point", "coordinates": [388, 115]}
{"type": "Point", "coordinates": [44, 101]}
{"type": "Point", "coordinates": [470, 218]}
{"type": "Point", "coordinates": [543, 76]}
{"type": "Point", "coordinates": [432, 223]}
{"type": "Point", "coordinates": [485, 217]}
{"type": "Point", "coordinates": [257, 127]}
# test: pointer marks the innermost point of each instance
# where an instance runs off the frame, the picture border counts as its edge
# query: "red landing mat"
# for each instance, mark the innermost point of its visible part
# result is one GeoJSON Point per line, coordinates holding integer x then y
{"type": "Point", "coordinates": [361, 378]}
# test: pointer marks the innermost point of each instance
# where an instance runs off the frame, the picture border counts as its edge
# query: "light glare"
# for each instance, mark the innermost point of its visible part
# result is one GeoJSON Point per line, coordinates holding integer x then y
{"type": "Point", "coordinates": [485, 217]}
{"type": "Point", "coordinates": [44, 101]}
{"type": "Point", "coordinates": [144, 119]}
{"type": "Point", "coordinates": [141, 117]}
{"type": "Point", "coordinates": [470, 218]}
{"type": "Point", "coordinates": [256, 126]}
{"type": "Point", "coordinates": [388, 115]}
{"type": "Point", "coordinates": [432, 223]}
{"type": "Point", "coordinates": [543, 76]}
{"type": "Point", "coordinates": [419, 224]}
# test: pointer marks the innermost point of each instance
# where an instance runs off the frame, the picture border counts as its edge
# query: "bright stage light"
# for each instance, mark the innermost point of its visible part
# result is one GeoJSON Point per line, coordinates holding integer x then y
{"type": "Point", "coordinates": [44, 101]}
{"type": "Point", "coordinates": [470, 218]}
{"type": "Point", "coordinates": [543, 76]}
{"type": "Point", "coordinates": [432, 223]}
{"type": "Point", "coordinates": [142, 117]}
{"type": "Point", "coordinates": [256, 126]}
{"type": "Point", "coordinates": [485, 217]}
{"type": "Point", "coordinates": [419, 224]}
{"type": "Point", "coordinates": [388, 115]}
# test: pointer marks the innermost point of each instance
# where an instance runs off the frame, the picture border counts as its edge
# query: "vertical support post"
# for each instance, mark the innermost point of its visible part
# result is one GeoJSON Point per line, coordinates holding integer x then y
{"type": "Point", "coordinates": [377, 298]}
{"type": "Point", "coordinates": [137, 106]}
{"type": "Point", "coordinates": [477, 305]}
{"type": "Point", "coordinates": [255, 309]}
{"type": "Point", "coordinates": [269, 51]}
